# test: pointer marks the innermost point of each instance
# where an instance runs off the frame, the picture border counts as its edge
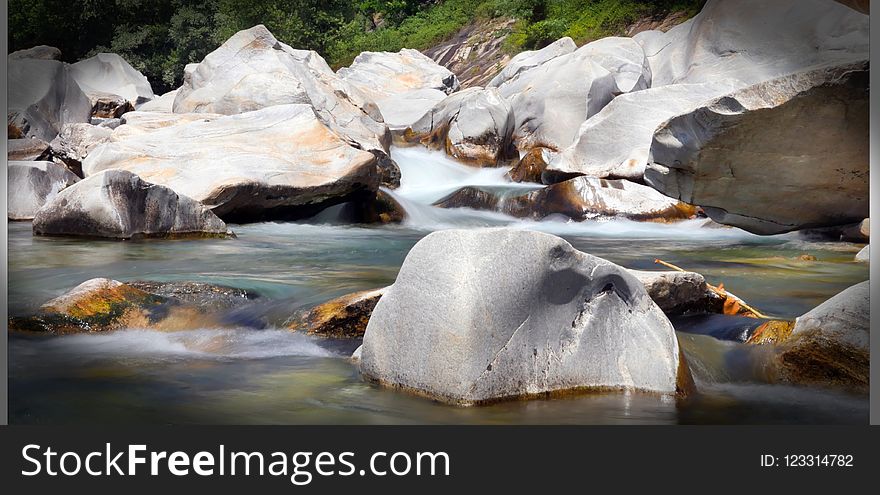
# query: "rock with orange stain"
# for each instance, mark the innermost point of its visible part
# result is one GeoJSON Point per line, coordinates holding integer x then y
{"type": "Point", "coordinates": [121, 205]}
{"type": "Point", "coordinates": [344, 317]}
{"type": "Point", "coordinates": [277, 162]}
{"type": "Point", "coordinates": [474, 126]}
{"type": "Point", "coordinates": [830, 345]}
{"type": "Point", "coordinates": [102, 305]}
{"type": "Point", "coordinates": [531, 166]}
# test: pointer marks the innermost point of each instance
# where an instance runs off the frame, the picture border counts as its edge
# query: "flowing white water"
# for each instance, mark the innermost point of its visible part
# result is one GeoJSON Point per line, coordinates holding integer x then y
{"type": "Point", "coordinates": [428, 176]}
{"type": "Point", "coordinates": [180, 345]}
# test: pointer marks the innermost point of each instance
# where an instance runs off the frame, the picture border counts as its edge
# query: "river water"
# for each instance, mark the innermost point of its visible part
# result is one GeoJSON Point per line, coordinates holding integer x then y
{"type": "Point", "coordinates": [256, 373]}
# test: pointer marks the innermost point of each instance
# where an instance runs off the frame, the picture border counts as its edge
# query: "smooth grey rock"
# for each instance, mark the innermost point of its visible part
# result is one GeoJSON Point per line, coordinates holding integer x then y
{"type": "Point", "coordinates": [42, 97]}
{"type": "Point", "coordinates": [864, 254]}
{"type": "Point", "coordinates": [164, 103]}
{"type": "Point", "coordinates": [277, 162]}
{"type": "Point", "coordinates": [381, 75]}
{"type": "Point", "coordinates": [553, 99]}
{"type": "Point", "coordinates": [798, 142]}
{"type": "Point", "coordinates": [26, 149]}
{"type": "Point", "coordinates": [138, 122]}
{"type": "Point", "coordinates": [679, 292]}
{"type": "Point", "coordinates": [830, 345]}
{"type": "Point", "coordinates": [752, 41]}
{"type": "Point", "coordinates": [41, 52]}
{"type": "Point", "coordinates": [31, 184]}
{"type": "Point", "coordinates": [482, 315]}
{"type": "Point", "coordinates": [253, 70]}
{"type": "Point", "coordinates": [528, 60]}
{"type": "Point", "coordinates": [615, 143]}
{"type": "Point", "coordinates": [110, 74]}
{"type": "Point", "coordinates": [119, 204]}
{"type": "Point", "coordinates": [402, 110]}
{"type": "Point", "coordinates": [474, 126]}
{"type": "Point", "coordinates": [76, 141]}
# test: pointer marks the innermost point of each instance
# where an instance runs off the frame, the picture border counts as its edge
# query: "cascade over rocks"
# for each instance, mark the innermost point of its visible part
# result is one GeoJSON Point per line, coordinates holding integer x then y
{"type": "Point", "coordinates": [119, 204]}
{"type": "Point", "coordinates": [482, 315]}
{"type": "Point", "coordinates": [277, 162]}
{"type": "Point", "coordinates": [581, 198]}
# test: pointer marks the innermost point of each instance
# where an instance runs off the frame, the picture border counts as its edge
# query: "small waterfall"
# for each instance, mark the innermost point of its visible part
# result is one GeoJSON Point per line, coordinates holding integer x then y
{"type": "Point", "coordinates": [428, 176]}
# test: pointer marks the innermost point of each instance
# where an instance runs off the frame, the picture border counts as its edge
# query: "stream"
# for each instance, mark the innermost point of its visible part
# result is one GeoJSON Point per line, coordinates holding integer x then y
{"type": "Point", "coordinates": [259, 373]}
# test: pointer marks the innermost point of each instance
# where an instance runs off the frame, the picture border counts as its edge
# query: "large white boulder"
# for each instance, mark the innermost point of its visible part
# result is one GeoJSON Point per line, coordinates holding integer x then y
{"type": "Point", "coordinates": [277, 162]}
{"type": "Point", "coordinates": [108, 74]}
{"type": "Point", "coordinates": [528, 60]}
{"type": "Point", "coordinates": [751, 41]}
{"type": "Point", "coordinates": [798, 143]}
{"type": "Point", "coordinates": [383, 74]}
{"type": "Point", "coordinates": [482, 315]}
{"type": "Point", "coordinates": [615, 143]}
{"type": "Point", "coordinates": [30, 184]}
{"type": "Point", "coordinates": [253, 70]}
{"type": "Point", "coordinates": [551, 100]}
{"type": "Point", "coordinates": [474, 126]}
{"type": "Point", "coordinates": [42, 97]}
{"type": "Point", "coordinates": [119, 204]}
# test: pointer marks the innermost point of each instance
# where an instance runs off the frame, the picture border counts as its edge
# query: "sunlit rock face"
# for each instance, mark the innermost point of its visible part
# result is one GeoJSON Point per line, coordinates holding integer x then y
{"type": "Point", "coordinates": [253, 70]}
{"type": "Point", "coordinates": [483, 315]}
{"type": "Point", "coordinates": [798, 143]}
{"type": "Point", "coordinates": [474, 126]}
{"type": "Point", "coordinates": [277, 162]}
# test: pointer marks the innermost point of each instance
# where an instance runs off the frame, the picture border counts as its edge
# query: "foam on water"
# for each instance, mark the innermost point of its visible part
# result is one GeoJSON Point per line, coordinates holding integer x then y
{"type": "Point", "coordinates": [180, 345]}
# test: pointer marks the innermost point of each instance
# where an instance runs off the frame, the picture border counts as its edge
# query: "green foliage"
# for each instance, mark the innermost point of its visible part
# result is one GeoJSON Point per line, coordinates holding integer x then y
{"type": "Point", "coordinates": [159, 37]}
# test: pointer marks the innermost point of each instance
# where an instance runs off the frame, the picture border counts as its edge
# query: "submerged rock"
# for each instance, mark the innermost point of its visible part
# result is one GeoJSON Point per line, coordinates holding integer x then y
{"type": "Point", "coordinates": [207, 297]}
{"type": "Point", "coordinates": [278, 162]}
{"type": "Point", "coordinates": [474, 126]}
{"type": "Point", "coordinates": [119, 204]}
{"type": "Point", "coordinates": [830, 345]}
{"type": "Point", "coordinates": [343, 317]}
{"type": "Point", "coordinates": [799, 142]}
{"type": "Point", "coordinates": [43, 96]}
{"type": "Point", "coordinates": [533, 317]}
{"type": "Point", "coordinates": [31, 184]}
{"type": "Point", "coordinates": [102, 305]}
{"type": "Point", "coordinates": [581, 198]}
